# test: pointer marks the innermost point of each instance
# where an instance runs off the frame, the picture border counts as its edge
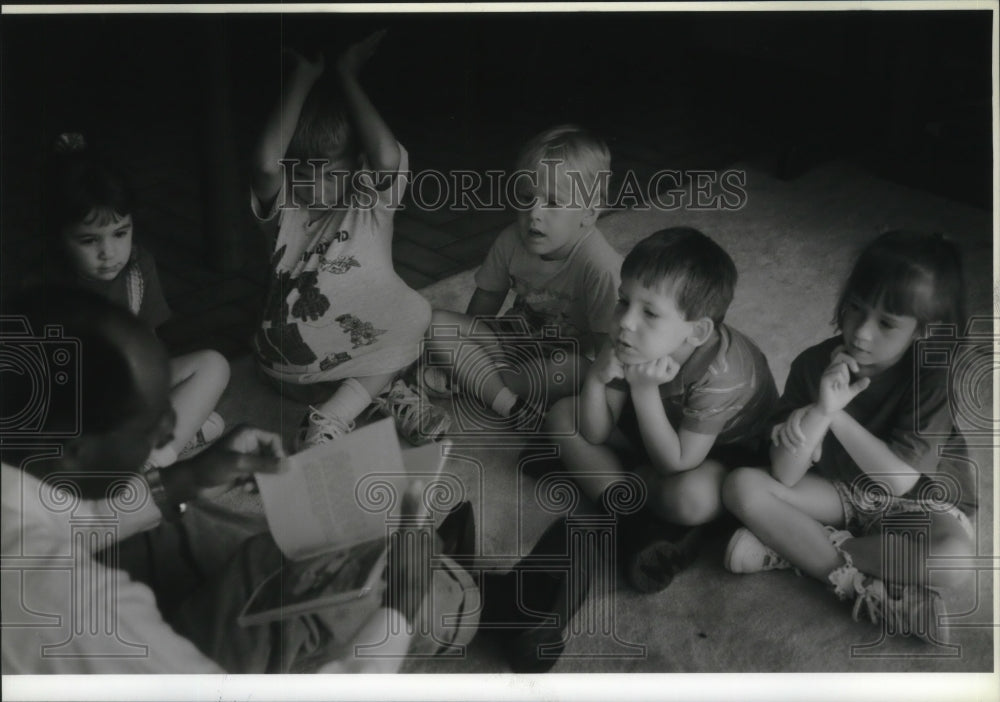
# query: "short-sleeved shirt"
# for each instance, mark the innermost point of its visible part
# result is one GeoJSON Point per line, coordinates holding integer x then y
{"type": "Point", "coordinates": [42, 633]}
{"type": "Point", "coordinates": [136, 287]}
{"type": "Point", "coordinates": [336, 308]}
{"type": "Point", "coordinates": [576, 293]}
{"type": "Point", "coordinates": [906, 406]}
{"type": "Point", "coordinates": [725, 388]}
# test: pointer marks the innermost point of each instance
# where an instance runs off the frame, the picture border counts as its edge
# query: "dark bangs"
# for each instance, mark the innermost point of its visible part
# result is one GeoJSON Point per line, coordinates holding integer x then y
{"type": "Point", "coordinates": [76, 186]}
{"type": "Point", "coordinates": [908, 274]}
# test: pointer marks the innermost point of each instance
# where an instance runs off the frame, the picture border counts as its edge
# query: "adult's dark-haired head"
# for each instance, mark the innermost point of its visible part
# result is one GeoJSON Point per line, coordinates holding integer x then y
{"type": "Point", "coordinates": [123, 385]}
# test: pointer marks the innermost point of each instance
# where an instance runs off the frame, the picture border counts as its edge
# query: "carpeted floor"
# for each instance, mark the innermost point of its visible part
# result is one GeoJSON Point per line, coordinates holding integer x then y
{"type": "Point", "coordinates": [793, 243]}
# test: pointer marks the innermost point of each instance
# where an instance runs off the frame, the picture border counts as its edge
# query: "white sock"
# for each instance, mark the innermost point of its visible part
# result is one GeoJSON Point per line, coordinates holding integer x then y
{"type": "Point", "coordinates": [503, 403]}
{"type": "Point", "coordinates": [347, 402]}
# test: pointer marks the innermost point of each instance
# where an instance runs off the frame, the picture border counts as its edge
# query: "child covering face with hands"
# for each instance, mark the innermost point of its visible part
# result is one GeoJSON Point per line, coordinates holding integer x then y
{"type": "Point", "coordinates": [339, 324]}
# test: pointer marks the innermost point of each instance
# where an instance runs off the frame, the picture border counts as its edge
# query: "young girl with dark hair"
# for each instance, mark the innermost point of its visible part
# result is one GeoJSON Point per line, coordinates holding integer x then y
{"type": "Point", "coordinates": [864, 434]}
{"type": "Point", "coordinates": [89, 243]}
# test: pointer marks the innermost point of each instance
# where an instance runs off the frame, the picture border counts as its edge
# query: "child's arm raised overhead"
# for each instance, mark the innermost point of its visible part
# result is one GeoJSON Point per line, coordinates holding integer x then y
{"type": "Point", "coordinates": [376, 138]}
{"type": "Point", "coordinates": [601, 405]}
{"type": "Point", "coordinates": [280, 126]}
{"type": "Point", "coordinates": [669, 451]}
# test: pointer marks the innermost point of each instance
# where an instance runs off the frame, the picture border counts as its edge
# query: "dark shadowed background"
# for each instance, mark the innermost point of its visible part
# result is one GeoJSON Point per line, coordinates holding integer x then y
{"type": "Point", "coordinates": [846, 122]}
{"type": "Point", "coordinates": [176, 101]}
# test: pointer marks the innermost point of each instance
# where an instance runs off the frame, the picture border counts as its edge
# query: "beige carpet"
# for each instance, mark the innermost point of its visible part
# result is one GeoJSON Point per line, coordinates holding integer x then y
{"type": "Point", "coordinates": [793, 243]}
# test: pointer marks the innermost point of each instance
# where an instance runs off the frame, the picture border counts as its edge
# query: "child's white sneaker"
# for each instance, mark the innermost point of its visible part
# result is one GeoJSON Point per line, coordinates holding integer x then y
{"type": "Point", "coordinates": [319, 428]}
{"type": "Point", "coordinates": [417, 420]}
{"type": "Point", "coordinates": [211, 430]}
{"type": "Point", "coordinates": [910, 610]}
{"type": "Point", "coordinates": [748, 554]}
{"type": "Point", "coordinates": [435, 382]}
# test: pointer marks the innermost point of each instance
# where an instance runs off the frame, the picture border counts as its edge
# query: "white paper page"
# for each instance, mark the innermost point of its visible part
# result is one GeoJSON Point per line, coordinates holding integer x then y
{"type": "Point", "coordinates": [343, 493]}
{"type": "Point", "coordinates": [316, 505]}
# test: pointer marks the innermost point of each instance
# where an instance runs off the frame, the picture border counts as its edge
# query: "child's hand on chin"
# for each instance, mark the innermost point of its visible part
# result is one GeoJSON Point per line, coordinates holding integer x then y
{"type": "Point", "coordinates": [652, 373]}
{"type": "Point", "coordinates": [840, 353]}
{"type": "Point", "coordinates": [835, 387]}
{"type": "Point", "coordinates": [607, 366]}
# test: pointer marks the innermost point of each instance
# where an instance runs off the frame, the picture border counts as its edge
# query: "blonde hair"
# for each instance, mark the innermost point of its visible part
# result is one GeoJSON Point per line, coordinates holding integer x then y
{"type": "Point", "coordinates": [577, 150]}
{"type": "Point", "coordinates": [324, 129]}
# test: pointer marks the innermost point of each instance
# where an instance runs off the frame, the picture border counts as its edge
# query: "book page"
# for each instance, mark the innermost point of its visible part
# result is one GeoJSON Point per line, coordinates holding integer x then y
{"type": "Point", "coordinates": [341, 494]}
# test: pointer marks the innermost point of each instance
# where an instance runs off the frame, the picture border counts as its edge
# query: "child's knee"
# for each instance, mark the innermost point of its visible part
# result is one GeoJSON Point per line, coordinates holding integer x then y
{"type": "Point", "coordinates": [742, 488]}
{"type": "Point", "coordinates": [957, 548]}
{"type": "Point", "coordinates": [206, 368]}
{"type": "Point", "coordinates": [213, 365]}
{"type": "Point", "coordinates": [690, 504]}
{"type": "Point", "coordinates": [697, 507]}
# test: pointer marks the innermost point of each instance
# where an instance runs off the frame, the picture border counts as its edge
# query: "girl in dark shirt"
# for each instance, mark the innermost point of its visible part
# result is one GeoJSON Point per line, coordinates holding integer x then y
{"type": "Point", "coordinates": [88, 222]}
{"type": "Point", "coordinates": [863, 435]}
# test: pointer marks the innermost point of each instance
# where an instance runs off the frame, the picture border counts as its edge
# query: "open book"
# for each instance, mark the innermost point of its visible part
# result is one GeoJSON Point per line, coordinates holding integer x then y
{"type": "Point", "coordinates": [330, 512]}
